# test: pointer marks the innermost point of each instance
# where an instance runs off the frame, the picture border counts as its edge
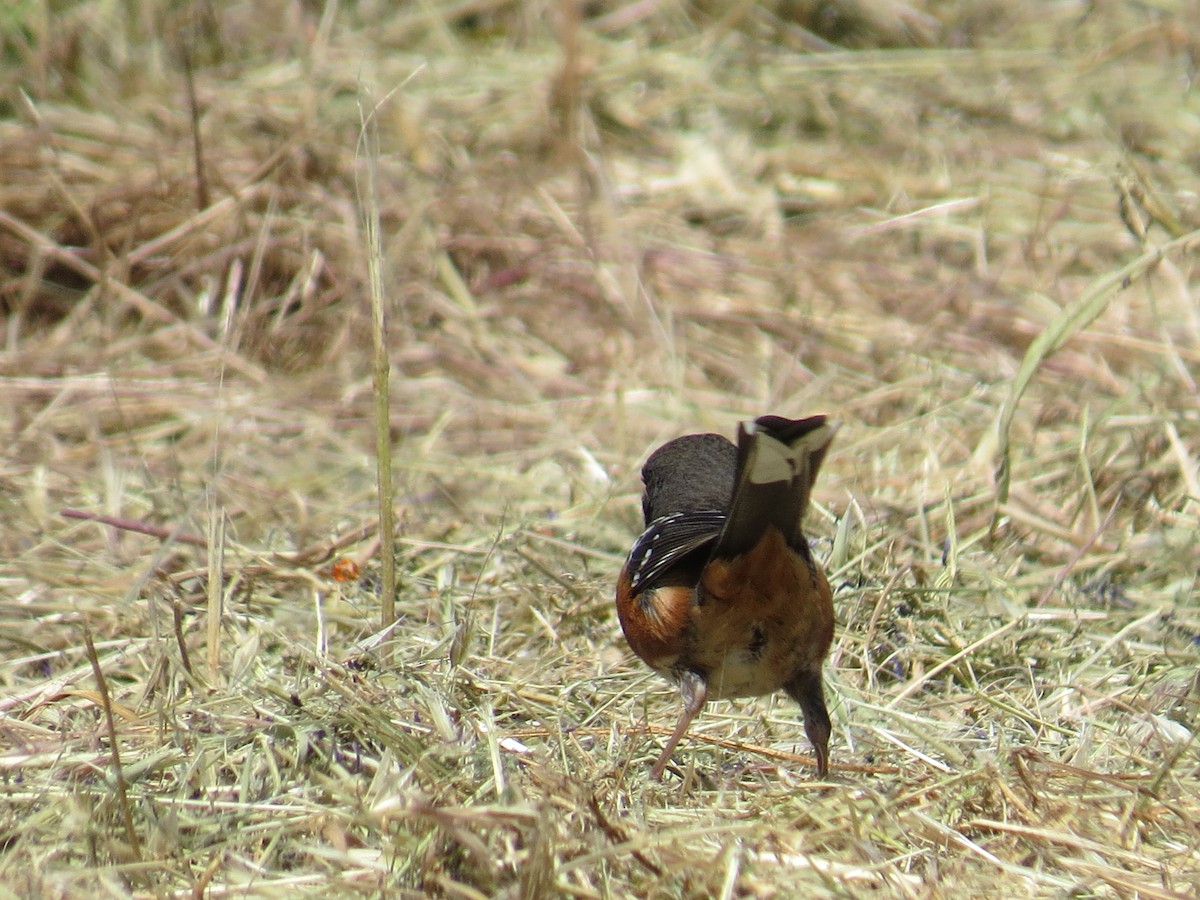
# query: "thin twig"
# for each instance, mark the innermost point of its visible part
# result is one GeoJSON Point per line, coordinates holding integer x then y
{"type": "Point", "coordinates": [137, 526]}
{"type": "Point", "coordinates": [114, 746]}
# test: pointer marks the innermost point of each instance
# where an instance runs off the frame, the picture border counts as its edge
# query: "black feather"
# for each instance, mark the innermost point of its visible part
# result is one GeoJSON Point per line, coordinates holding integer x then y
{"type": "Point", "coordinates": [673, 549]}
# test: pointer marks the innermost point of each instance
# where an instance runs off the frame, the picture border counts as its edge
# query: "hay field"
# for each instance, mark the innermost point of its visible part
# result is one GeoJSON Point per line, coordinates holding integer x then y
{"type": "Point", "coordinates": [967, 230]}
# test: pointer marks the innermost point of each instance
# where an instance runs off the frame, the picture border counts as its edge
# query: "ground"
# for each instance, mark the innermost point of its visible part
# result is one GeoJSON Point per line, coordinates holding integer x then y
{"type": "Point", "coordinates": [968, 231]}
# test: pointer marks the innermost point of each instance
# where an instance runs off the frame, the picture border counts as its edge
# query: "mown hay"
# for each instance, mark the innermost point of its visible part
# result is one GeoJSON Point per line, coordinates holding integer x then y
{"type": "Point", "coordinates": [603, 227]}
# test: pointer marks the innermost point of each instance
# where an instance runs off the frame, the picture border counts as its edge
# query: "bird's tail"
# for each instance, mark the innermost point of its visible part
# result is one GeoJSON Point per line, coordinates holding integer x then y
{"type": "Point", "coordinates": [778, 460]}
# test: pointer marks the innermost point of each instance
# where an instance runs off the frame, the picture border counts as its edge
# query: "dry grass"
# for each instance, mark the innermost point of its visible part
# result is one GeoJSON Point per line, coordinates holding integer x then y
{"type": "Point", "coordinates": [599, 232]}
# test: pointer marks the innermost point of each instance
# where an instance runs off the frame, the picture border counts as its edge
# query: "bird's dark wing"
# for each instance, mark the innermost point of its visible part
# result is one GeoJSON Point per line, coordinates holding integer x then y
{"type": "Point", "coordinates": [670, 548]}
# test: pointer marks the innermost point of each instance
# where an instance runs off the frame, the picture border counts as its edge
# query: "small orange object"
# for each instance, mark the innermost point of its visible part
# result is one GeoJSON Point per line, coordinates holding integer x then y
{"type": "Point", "coordinates": [721, 593]}
{"type": "Point", "coordinates": [345, 569]}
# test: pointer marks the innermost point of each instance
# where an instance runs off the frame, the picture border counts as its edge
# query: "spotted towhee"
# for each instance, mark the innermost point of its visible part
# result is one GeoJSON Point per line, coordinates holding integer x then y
{"type": "Point", "coordinates": [721, 593]}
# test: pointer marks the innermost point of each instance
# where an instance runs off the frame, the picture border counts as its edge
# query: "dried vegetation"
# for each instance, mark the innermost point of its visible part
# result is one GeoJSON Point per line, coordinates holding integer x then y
{"type": "Point", "coordinates": [968, 230]}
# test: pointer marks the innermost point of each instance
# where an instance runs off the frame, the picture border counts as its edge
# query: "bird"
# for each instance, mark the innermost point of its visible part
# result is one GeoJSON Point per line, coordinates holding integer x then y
{"type": "Point", "coordinates": [721, 593]}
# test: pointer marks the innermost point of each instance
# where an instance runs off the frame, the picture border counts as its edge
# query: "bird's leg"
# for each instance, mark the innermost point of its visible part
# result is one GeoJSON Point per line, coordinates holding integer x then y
{"type": "Point", "coordinates": [694, 690]}
{"type": "Point", "coordinates": [806, 689]}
